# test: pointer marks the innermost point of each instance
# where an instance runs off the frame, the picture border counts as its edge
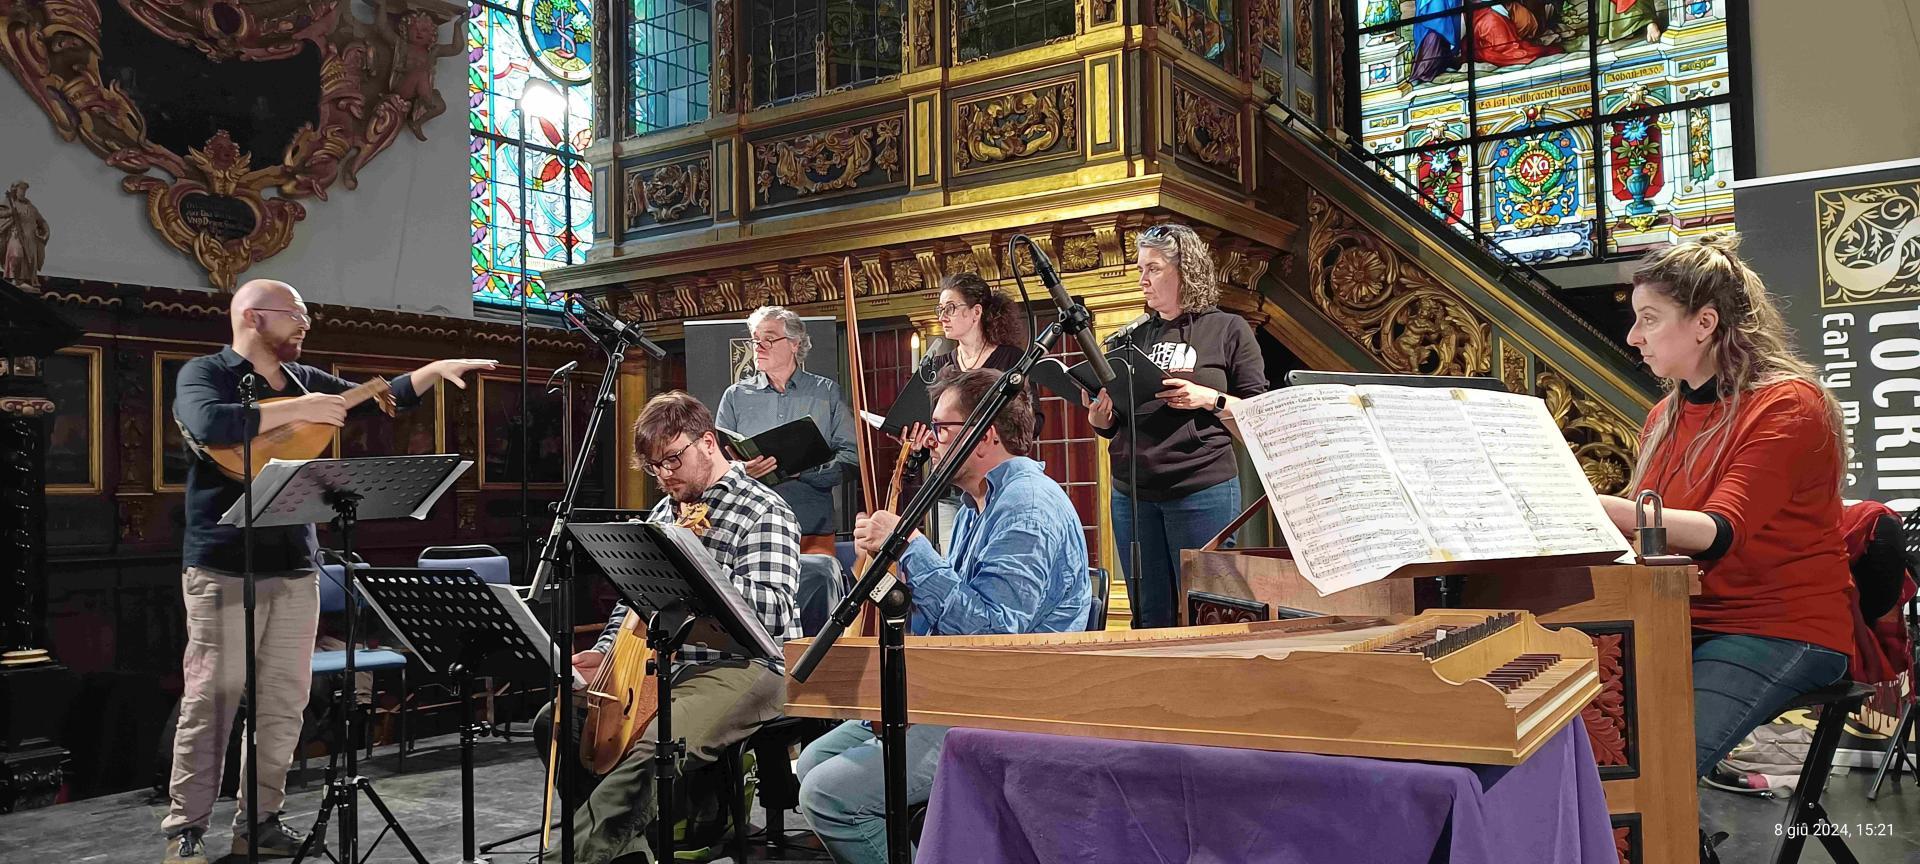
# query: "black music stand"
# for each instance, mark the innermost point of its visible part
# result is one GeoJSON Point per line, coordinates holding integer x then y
{"type": "Point", "coordinates": [456, 624]}
{"type": "Point", "coordinates": [663, 572]}
{"type": "Point", "coordinates": [345, 491]}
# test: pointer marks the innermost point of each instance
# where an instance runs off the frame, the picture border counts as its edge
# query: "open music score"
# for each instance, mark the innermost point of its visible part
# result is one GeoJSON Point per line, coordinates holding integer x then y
{"type": "Point", "coordinates": [1477, 686]}
{"type": "Point", "coordinates": [1367, 479]}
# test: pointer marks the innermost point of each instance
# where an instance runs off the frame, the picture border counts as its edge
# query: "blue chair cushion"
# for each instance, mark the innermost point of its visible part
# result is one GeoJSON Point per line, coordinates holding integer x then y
{"type": "Point", "coordinates": [490, 568]}
{"type": "Point", "coordinates": [364, 660]}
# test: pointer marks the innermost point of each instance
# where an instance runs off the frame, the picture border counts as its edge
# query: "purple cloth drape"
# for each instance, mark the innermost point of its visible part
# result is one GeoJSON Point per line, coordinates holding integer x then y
{"type": "Point", "coordinates": [1049, 799]}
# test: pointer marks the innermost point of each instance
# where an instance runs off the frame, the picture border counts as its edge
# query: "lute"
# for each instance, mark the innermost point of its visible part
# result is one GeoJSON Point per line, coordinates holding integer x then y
{"type": "Point", "coordinates": [297, 440]}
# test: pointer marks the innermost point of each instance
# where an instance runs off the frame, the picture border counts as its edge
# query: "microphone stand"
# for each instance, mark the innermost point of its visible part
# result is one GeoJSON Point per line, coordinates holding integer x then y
{"type": "Point", "coordinates": [1134, 577]}
{"type": "Point", "coordinates": [894, 598]}
{"type": "Point", "coordinates": [248, 382]}
{"type": "Point", "coordinates": [614, 344]}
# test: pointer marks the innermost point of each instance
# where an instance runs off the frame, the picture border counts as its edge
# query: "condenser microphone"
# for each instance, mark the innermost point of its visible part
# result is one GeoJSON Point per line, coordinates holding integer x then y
{"type": "Point", "coordinates": [1070, 311]}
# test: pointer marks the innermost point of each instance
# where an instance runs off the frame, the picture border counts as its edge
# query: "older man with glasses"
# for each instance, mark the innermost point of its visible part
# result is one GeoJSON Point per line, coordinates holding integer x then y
{"type": "Point", "coordinates": [780, 392]}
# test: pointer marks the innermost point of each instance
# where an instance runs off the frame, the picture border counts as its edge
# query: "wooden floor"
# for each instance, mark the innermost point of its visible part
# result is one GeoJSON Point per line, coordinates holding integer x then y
{"type": "Point", "coordinates": [124, 828]}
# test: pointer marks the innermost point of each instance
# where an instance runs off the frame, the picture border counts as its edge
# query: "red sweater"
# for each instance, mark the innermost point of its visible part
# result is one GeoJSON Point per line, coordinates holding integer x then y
{"type": "Point", "coordinates": [1778, 484]}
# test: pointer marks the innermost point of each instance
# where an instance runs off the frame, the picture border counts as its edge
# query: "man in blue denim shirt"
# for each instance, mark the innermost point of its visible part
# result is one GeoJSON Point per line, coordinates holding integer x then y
{"type": "Point", "coordinates": [781, 392]}
{"type": "Point", "coordinates": [1017, 564]}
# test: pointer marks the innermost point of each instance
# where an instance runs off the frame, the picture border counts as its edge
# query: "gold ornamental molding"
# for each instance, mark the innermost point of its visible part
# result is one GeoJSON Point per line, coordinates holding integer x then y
{"type": "Point", "coordinates": [922, 11]}
{"type": "Point", "coordinates": [1033, 123]}
{"type": "Point", "coordinates": [1398, 312]}
{"type": "Point", "coordinates": [1412, 323]}
{"type": "Point", "coordinates": [830, 160]}
{"type": "Point", "coordinates": [721, 90]}
{"type": "Point", "coordinates": [211, 202]}
{"type": "Point", "coordinates": [668, 192]}
{"type": "Point", "coordinates": [1088, 252]}
{"type": "Point", "coordinates": [1207, 128]}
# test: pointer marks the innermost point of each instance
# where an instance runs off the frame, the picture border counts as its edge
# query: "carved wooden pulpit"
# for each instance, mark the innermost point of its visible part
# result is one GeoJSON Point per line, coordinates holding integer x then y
{"type": "Point", "coordinates": [34, 690]}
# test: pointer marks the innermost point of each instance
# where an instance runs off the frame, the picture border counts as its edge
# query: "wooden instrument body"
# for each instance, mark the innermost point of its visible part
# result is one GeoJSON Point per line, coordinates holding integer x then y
{"type": "Point", "coordinates": [297, 440]}
{"type": "Point", "coordinates": [621, 700]}
{"type": "Point", "coordinates": [1641, 724]}
{"type": "Point", "coordinates": [1223, 685]}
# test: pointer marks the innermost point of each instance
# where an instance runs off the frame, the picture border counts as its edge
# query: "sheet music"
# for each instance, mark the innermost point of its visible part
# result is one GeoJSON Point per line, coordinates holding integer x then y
{"type": "Point", "coordinates": [1330, 485]}
{"type": "Point", "coordinates": [1532, 459]}
{"type": "Point", "coordinates": [1447, 474]}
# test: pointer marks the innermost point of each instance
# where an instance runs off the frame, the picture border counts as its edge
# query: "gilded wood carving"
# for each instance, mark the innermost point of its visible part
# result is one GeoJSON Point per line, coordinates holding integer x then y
{"type": "Point", "coordinates": [1404, 317]}
{"type": "Point", "coordinates": [667, 193]}
{"type": "Point", "coordinates": [375, 79]}
{"type": "Point", "coordinates": [1022, 125]}
{"type": "Point", "coordinates": [721, 81]}
{"type": "Point", "coordinates": [831, 160]}
{"type": "Point", "coordinates": [1207, 128]}
{"type": "Point", "coordinates": [1604, 440]}
{"type": "Point", "coordinates": [922, 33]}
{"type": "Point", "coordinates": [1302, 35]}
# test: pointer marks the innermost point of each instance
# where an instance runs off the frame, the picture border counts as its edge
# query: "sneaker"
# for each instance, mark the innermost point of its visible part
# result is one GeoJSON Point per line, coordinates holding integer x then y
{"type": "Point", "coordinates": [1726, 778]}
{"type": "Point", "coordinates": [187, 847]}
{"type": "Point", "coordinates": [277, 840]}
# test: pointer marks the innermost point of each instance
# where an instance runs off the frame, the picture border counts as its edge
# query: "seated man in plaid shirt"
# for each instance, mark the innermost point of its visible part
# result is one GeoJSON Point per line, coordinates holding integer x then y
{"type": "Point", "coordinates": [718, 698]}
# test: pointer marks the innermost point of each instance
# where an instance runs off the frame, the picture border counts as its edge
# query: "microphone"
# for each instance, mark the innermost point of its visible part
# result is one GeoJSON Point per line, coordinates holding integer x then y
{"type": "Point", "coordinates": [560, 373]}
{"type": "Point", "coordinates": [941, 346]}
{"type": "Point", "coordinates": [1121, 335]}
{"type": "Point", "coordinates": [626, 332]}
{"type": "Point", "coordinates": [1070, 311]}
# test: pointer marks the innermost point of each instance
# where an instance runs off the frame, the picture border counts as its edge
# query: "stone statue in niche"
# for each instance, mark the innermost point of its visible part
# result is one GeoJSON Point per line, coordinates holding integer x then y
{"type": "Point", "coordinates": [414, 35]}
{"type": "Point", "coordinates": [23, 239]}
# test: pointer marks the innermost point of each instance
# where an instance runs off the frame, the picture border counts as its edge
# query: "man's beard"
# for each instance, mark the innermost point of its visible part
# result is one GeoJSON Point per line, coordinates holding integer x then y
{"type": "Point", "coordinates": [695, 467]}
{"type": "Point", "coordinates": [286, 350]}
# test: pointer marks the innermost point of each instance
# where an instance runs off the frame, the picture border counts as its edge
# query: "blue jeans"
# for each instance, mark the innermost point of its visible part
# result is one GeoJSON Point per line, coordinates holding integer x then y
{"type": "Point", "coordinates": [1741, 682]}
{"type": "Point", "coordinates": [843, 793]}
{"type": "Point", "coordinates": [1166, 527]}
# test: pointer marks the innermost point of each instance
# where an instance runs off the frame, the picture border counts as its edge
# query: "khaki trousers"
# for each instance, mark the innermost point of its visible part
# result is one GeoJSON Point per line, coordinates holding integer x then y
{"type": "Point", "coordinates": [286, 613]}
{"type": "Point", "coordinates": [714, 707]}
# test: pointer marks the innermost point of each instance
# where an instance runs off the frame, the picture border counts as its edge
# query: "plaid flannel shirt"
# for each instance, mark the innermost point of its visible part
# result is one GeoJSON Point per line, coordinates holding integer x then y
{"type": "Point", "coordinates": [754, 536]}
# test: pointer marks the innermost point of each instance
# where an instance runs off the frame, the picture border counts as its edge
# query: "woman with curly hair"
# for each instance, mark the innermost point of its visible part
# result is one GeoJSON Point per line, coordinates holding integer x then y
{"type": "Point", "coordinates": [1189, 484]}
{"type": "Point", "coordinates": [1746, 454]}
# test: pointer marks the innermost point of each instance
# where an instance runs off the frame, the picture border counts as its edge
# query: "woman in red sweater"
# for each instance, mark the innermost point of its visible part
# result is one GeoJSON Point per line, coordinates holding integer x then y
{"type": "Point", "coordinates": [1747, 455]}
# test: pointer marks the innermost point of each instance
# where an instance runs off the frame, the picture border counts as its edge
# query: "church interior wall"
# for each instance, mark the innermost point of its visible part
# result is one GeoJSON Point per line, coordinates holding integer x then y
{"type": "Point", "coordinates": [399, 241]}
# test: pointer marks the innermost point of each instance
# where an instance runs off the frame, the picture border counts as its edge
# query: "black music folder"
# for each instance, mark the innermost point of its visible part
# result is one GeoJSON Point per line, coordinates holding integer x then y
{"type": "Point", "coordinates": [1129, 363]}
{"type": "Point", "coordinates": [795, 446]}
{"type": "Point", "coordinates": [913, 405]}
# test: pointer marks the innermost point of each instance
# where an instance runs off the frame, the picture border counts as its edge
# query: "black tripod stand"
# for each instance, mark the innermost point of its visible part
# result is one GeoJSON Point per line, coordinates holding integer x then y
{"type": "Point", "coordinates": [461, 627]}
{"type": "Point", "coordinates": [343, 492]}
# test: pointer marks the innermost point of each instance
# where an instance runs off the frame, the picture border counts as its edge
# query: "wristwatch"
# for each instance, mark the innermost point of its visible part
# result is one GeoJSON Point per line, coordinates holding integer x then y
{"type": "Point", "coordinates": [1219, 403]}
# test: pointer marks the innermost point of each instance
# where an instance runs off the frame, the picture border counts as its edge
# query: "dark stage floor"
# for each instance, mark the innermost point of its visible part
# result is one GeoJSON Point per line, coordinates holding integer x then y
{"type": "Point", "coordinates": [124, 828]}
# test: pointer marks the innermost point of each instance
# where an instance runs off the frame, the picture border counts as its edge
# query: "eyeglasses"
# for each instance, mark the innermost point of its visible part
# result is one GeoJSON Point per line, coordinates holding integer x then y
{"type": "Point", "coordinates": [667, 465]}
{"type": "Point", "coordinates": [948, 310]}
{"type": "Point", "coordinates": [768, 343]}
{"type": "Point", "coordinates": [1157, 232]}
{"type": "Point", "coordinates": [944, 429]}
{"type": "Point", "coordinates": [297, 315]}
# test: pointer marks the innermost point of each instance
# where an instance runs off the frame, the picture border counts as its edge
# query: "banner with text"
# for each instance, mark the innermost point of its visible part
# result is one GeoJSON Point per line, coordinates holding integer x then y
{"type": "Point", "coordinates": [1841, 251]}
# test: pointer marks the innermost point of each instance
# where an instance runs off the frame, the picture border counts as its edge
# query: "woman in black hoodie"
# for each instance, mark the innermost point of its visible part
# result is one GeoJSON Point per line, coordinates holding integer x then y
{"type": "Point", "coordinates": [1189, 486]}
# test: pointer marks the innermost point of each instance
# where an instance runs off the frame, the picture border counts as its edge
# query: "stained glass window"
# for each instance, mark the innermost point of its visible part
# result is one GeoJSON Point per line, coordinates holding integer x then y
{"type": "Point", "coordinates": [1567, 131]}
{"type": "Point", "coordinates": [550, 203]}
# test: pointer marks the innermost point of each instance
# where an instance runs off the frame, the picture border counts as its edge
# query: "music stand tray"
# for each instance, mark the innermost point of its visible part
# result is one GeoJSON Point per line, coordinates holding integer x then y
{"type": "Point", "coordinates": [652, 565]}
{"type": "Point", "coordinates": [458, 624]}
